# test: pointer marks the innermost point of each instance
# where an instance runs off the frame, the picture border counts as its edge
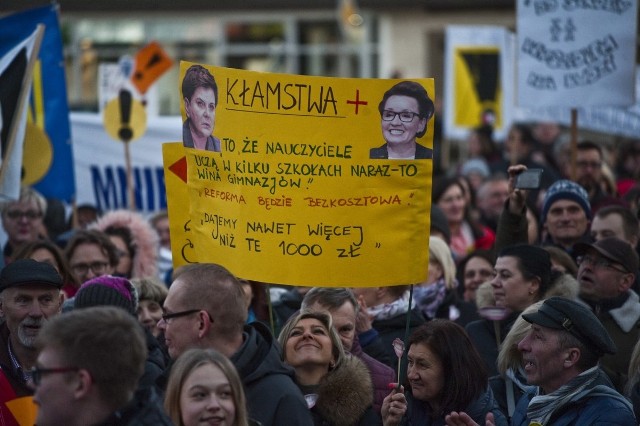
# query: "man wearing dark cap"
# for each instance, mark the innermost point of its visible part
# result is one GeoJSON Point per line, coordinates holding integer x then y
{"type": "Point", "coordinates": [29, 297]}
{"type": "Point", "coordinates": [607, 270]}
{"type": "Point", "coordinates": [560, 355]}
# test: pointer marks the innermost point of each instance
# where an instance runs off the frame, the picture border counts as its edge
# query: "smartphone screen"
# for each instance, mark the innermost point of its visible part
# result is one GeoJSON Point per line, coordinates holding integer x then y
{"type": "Point", "coordinates": [529, 179]}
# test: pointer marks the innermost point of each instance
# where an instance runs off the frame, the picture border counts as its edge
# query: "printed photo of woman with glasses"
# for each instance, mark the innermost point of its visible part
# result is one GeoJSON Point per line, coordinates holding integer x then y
{"type": "Point", "coordinates": [405, 110]}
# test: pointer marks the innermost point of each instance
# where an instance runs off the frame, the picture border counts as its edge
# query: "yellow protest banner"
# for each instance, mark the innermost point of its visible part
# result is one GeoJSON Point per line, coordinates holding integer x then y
{"type": "Point", "coordinates": [317, 181]}
{"type": "Point", "coordinates": [175, 180]}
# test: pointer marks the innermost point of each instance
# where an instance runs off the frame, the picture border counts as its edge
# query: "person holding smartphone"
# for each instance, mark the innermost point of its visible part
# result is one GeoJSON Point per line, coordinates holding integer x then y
{"type": "Point", "coordinates": [565, 217]}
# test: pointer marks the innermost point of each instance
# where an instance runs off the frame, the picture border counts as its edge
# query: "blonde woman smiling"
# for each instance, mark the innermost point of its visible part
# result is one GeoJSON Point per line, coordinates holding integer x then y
{"type": "Point", "coordinates": [204, 388]}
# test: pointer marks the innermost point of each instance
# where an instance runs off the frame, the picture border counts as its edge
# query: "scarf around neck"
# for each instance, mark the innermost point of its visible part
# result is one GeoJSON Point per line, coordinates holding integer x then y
{"type": "Point", "coordinates": [389, 310]}
{"type": "Point", "coordinates": [430, 297]}
{"type": "Point", "coordinates": [542, 407]}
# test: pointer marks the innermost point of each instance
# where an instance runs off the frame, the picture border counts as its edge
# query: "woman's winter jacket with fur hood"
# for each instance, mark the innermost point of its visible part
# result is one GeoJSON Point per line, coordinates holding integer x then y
{"type": "Point", "coordinates": [143, 237]}
{"type": "Point", "coordinates": [345, 396]}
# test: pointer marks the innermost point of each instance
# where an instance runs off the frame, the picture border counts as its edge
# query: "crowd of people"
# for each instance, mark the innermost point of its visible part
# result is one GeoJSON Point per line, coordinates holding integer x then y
{"type": "Point", "coordinates": [529, 312]}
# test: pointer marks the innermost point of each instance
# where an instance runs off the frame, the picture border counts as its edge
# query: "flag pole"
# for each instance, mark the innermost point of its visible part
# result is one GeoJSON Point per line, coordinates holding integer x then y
{"type": "Point", "coordinates": [574, 142]}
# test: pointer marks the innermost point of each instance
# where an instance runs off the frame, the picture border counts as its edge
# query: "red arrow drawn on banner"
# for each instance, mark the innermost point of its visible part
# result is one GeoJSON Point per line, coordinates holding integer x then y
{"type": "Point", "coordinates": [179, 168]}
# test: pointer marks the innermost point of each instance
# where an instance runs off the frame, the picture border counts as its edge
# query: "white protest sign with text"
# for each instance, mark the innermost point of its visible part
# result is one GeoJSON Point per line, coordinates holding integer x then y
{"type": "Point", "coordinates": [576, 53]}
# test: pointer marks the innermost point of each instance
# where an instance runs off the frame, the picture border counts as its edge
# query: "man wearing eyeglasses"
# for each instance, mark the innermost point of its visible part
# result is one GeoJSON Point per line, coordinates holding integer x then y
{"type": "Point", "coordinates": [405, 110]}
{"type": "Point", "coordinates": [606, 271]}
{"type": "Point", "coordinates": [205, 308]}
{"type": "Point", "coordinates": [589, 174]}
{"type": "Point", "coordinates": [22, 220]}
{"type": "Point", "coordinates": [29, 298]}
{"type": "Point", "coordinates": [87, 371]}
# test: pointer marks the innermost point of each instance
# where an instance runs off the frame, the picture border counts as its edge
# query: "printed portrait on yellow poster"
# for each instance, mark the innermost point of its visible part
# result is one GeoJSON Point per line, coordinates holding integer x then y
{"type": "Point", "coordinates": [305, 180]}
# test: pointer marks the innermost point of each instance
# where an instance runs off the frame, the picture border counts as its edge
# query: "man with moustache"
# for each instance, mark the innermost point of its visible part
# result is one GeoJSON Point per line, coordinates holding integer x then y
{"type": "Point", "coordinates": [29, 296]}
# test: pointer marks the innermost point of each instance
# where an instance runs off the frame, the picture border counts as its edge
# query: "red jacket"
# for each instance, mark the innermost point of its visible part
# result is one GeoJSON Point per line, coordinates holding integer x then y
{"type": "Point", "coordinates": [6, 394]}
{"type": "Point", "coordinates": [11, 387]}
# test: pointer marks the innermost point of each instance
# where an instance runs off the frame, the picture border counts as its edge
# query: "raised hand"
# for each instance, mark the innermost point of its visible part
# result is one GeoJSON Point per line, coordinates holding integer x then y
{"type": "Point", "coordinates": [463, 419]}
{"type": "Point", "coordinates": [394, 406]}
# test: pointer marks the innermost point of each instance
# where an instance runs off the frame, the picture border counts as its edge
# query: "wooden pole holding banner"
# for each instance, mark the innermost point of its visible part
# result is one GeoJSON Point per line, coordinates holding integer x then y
{"type": "Point", "coordinates": [574, 142]}
{"type": "Point", "coordinates": [26, 83]}
{"type": "Point", "coordinates": [129, 171]}
{"type": "Point", "coordinates": [75, 222]}
{"type": "Point", "coordinates": [445, 150]}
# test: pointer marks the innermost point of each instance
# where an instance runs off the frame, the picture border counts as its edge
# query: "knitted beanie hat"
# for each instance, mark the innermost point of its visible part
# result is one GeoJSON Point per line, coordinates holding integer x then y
{"type": "Point", "coordinates": [475, 165]}
{"type": "Point", "coordinates": [565, 190]}
{"type": "Point", "coordinates": [107, 290]}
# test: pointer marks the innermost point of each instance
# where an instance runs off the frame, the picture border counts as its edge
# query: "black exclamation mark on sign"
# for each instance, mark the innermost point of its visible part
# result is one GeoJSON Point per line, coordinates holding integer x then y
{"type": "Point", "coordinates": [152, 61]}
{"type": "Point", "coordinates": [125, 133]}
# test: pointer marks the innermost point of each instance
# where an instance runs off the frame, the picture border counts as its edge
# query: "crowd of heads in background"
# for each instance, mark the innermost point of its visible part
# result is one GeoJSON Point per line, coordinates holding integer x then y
{"type": "Point", "coordinates": [504, 264]}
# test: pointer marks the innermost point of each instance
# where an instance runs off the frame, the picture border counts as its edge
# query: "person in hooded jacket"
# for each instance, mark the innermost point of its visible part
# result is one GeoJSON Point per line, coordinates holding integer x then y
{"type": "Point", "coordinates": [205, 308]}
{"type": "Point", "coordinates": [137, 243]}
{"type": "Point", "coordinates": [337, 386]}
{"type": "Point", "coordinates": [87, 372]}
